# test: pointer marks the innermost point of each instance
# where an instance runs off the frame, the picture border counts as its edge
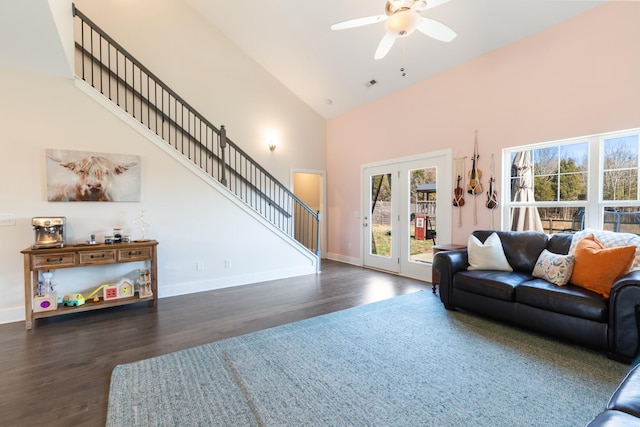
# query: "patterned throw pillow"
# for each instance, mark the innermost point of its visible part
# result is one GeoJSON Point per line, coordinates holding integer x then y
{"type": "Point", "coordinates": [611, 239]}
{"type": "Point", "coordinates": [554, 268]}
{"type": "Point", "coordinates": [488, 255]}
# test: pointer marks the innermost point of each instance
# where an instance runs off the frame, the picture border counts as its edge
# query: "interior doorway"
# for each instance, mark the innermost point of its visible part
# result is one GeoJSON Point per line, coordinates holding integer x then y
{"type": "Point", "coordinates": [406, 210]}
{"type": "Point", "coordinates": [309, 187]}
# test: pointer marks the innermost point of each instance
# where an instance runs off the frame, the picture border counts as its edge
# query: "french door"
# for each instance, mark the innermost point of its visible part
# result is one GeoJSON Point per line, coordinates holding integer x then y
{"type": "Point", "coordinates": [405, 212]}
{"type": "Point", "coordinates": [380, 215]}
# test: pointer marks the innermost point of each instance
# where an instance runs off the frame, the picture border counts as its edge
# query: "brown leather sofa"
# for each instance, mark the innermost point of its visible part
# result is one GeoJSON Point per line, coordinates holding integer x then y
{"type": "Point", "coordinates": [568, 312]}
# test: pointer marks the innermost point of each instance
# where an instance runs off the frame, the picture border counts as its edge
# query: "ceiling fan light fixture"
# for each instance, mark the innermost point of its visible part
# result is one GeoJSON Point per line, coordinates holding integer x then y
{"type": "Point", "coordinates": [403, 22]}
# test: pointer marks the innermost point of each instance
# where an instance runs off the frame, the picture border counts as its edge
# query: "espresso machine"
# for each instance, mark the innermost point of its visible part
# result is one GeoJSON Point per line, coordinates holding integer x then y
{"type": "Point", "coordinates": [49, 232]}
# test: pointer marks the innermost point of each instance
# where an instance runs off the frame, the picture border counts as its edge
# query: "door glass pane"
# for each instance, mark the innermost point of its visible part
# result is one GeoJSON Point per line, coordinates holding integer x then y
{"type": "Point", "coordinates": [422, 201]}
{"type": "Point", "coordinates": [381, 215]}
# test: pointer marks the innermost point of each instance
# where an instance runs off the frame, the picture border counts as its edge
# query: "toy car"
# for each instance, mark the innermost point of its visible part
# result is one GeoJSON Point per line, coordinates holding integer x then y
{"type": "Point", "coordinates": [73, 300]}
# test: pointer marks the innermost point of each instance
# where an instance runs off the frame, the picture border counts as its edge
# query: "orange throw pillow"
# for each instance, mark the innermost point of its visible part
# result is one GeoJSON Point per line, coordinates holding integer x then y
{"type": "Point", "coordinates": [596, 268]}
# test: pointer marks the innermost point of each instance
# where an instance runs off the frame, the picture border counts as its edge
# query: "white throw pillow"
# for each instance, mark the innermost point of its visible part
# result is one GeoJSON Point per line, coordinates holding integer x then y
{"type": "Point", "coordinates": [488, 255]}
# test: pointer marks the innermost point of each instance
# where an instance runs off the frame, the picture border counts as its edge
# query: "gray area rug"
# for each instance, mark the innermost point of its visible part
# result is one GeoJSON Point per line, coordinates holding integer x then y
{"type": "Point", "coordinates": [405, 361]}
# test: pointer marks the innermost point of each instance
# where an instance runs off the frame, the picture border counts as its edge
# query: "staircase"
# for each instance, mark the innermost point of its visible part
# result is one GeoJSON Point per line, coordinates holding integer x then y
{"type": "Point", "coordinates": [116, 74]}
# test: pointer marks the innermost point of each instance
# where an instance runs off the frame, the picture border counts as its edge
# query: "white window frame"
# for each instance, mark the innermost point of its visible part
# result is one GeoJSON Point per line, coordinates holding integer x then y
{"type": "Point", "coordinates": [594, 205]}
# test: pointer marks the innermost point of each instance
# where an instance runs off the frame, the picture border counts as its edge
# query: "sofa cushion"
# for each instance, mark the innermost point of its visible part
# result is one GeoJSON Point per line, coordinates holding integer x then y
{"type": "Point", "coordinates": [560, 243]}
{"type": "Point", "coordinates": [614, 419]}
{"type": "Point", "coordinates": [495, 284]}
{"type": "Point", "coordinates": [570, 300]}
{"type": "Point", "coordinates": [597, 267]}
{"type": "Point", "coordinates": [554, 268]}
{"type": "Point", "coordinates": [522, 248]}
{"type": "Point", "coordinates": [626, 398]}
{"type": "Point", "coordinates": [487, 255]}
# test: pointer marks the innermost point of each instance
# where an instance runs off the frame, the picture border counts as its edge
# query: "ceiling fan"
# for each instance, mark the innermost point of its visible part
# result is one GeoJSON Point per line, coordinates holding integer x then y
{"type": "Point", "coordinates": [401, 18]}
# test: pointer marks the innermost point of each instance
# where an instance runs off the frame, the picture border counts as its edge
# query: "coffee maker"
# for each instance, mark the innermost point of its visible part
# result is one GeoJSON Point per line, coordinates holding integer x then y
{"type": "Point", "coordinates": [49, 232]}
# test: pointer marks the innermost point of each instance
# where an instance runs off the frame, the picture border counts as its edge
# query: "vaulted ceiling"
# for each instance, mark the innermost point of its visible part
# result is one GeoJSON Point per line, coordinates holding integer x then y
{"type": "Point", "coordinates": [329, 70]}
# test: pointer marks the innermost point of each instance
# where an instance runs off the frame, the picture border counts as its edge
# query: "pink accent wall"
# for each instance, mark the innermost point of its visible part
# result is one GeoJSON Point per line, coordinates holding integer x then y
{"type": "Point", "coordinates": [578, 78]}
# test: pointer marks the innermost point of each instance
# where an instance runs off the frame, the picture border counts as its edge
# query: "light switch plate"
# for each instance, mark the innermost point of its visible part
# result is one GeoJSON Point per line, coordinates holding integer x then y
{"type": "Point", "coordinates": [7, 220]}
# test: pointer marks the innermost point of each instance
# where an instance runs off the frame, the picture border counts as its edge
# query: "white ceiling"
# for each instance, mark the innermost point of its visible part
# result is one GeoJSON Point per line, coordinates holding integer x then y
{"type": "Point", "coordinates": [329, 69]}
{"type": "Point", "coordinates": [292, 40]}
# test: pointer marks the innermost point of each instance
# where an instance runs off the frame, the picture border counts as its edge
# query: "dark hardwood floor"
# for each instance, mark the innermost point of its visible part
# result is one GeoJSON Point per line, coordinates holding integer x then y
{"type": "Point", "coordinates": [58, 373]}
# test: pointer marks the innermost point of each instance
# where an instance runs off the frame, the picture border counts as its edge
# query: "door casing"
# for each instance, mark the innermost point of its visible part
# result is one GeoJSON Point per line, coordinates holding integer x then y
{"type": "Point", "coordinates": [400, 168]}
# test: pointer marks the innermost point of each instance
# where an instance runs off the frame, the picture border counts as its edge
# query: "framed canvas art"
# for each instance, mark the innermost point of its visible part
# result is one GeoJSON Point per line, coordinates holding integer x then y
{"type": "Point", "coordinates": [80, 176]}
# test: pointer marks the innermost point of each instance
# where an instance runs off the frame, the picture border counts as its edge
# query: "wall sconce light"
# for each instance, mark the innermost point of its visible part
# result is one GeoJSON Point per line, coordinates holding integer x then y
{"type": "Point", "coordinates": [272, 146]}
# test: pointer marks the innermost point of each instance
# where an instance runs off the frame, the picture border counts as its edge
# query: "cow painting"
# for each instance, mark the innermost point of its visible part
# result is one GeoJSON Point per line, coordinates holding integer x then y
{"type": "Point", "coordinates": [74, 176]}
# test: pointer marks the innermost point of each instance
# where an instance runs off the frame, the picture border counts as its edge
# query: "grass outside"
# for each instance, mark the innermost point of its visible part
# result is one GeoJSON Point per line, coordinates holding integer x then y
{"type": "Point", "coordinates": [382, 240]}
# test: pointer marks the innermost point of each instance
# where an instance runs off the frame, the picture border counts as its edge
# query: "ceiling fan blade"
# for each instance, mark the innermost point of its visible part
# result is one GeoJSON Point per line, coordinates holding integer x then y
{"type": "Point", "coordinates": [358, 22]}
{"type": "Point", "coordinates": [437, 30]}
{"type": "Point", "coordinates": [385, 45]}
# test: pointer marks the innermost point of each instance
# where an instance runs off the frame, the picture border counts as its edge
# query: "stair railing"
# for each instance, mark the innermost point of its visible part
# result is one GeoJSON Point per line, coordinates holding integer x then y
{"type": "Point", "coordinates": [116, 74]}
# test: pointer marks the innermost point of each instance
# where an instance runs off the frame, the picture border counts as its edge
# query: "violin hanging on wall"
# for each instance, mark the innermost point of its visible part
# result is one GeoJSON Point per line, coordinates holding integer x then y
{"type": "Point", "coordinates": [458, 194]}
{"type": "Point", "coordinates": [474, 187]}
{"type": "Point", "coordinates": [492, 195]}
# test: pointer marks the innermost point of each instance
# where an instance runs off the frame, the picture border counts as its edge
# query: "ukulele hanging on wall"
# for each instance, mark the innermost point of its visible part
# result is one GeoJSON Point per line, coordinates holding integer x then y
{"type": "Point", "coordinates": [475, 187]}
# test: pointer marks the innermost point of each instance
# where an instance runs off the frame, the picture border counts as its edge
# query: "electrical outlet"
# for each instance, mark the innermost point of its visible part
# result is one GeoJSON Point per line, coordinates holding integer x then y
{"type": "Point", "coordinates": [7, 220]}
{"type": "Point", "coordinates": [227, 263]}
{"type": "Point", "coordinates": [199, 266]}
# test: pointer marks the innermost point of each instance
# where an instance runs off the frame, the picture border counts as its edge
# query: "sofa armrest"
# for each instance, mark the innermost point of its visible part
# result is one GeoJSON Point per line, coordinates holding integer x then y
{"type": "Point", "coordinates": [624, 308]}
{"type": "Point", "coordinates": [449, 263]}
{"type": "Point", "coordinates": [626, 398]}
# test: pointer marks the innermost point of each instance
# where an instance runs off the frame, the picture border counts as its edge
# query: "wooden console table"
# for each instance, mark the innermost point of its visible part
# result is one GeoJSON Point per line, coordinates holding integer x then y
{"type": "Point", "coordinates": [435, 274]}
{"type": "Point", "coordinates": [36, 260]}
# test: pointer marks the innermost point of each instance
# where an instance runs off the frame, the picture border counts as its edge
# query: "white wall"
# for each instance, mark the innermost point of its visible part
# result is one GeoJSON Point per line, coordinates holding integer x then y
{"type": "Point", "coordinates": [217, 79]}
{"type": "Point", "coordinates": [192, 221]}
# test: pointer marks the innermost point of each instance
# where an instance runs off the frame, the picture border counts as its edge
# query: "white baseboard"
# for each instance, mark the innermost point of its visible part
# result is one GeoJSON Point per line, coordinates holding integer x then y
{"type": "Point", "coordinates": [347, 260]}
{"type": "Point", "coordinates": [10, 315]}
{"type": "Point", "coordinates": [227, 282]}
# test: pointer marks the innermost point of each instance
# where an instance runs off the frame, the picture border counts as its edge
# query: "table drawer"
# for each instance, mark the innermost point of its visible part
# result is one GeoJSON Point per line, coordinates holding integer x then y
{"type": "Point", "coordinates": [107, 256]}
{"type": "Point", "coordinates": [134, 254]}
{"type": "Point", "coordinates": [54, 260]}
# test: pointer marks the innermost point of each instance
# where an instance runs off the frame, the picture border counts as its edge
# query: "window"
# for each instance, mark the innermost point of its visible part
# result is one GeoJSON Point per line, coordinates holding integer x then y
{"type": "Point", "coordinates": [589, 182]}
